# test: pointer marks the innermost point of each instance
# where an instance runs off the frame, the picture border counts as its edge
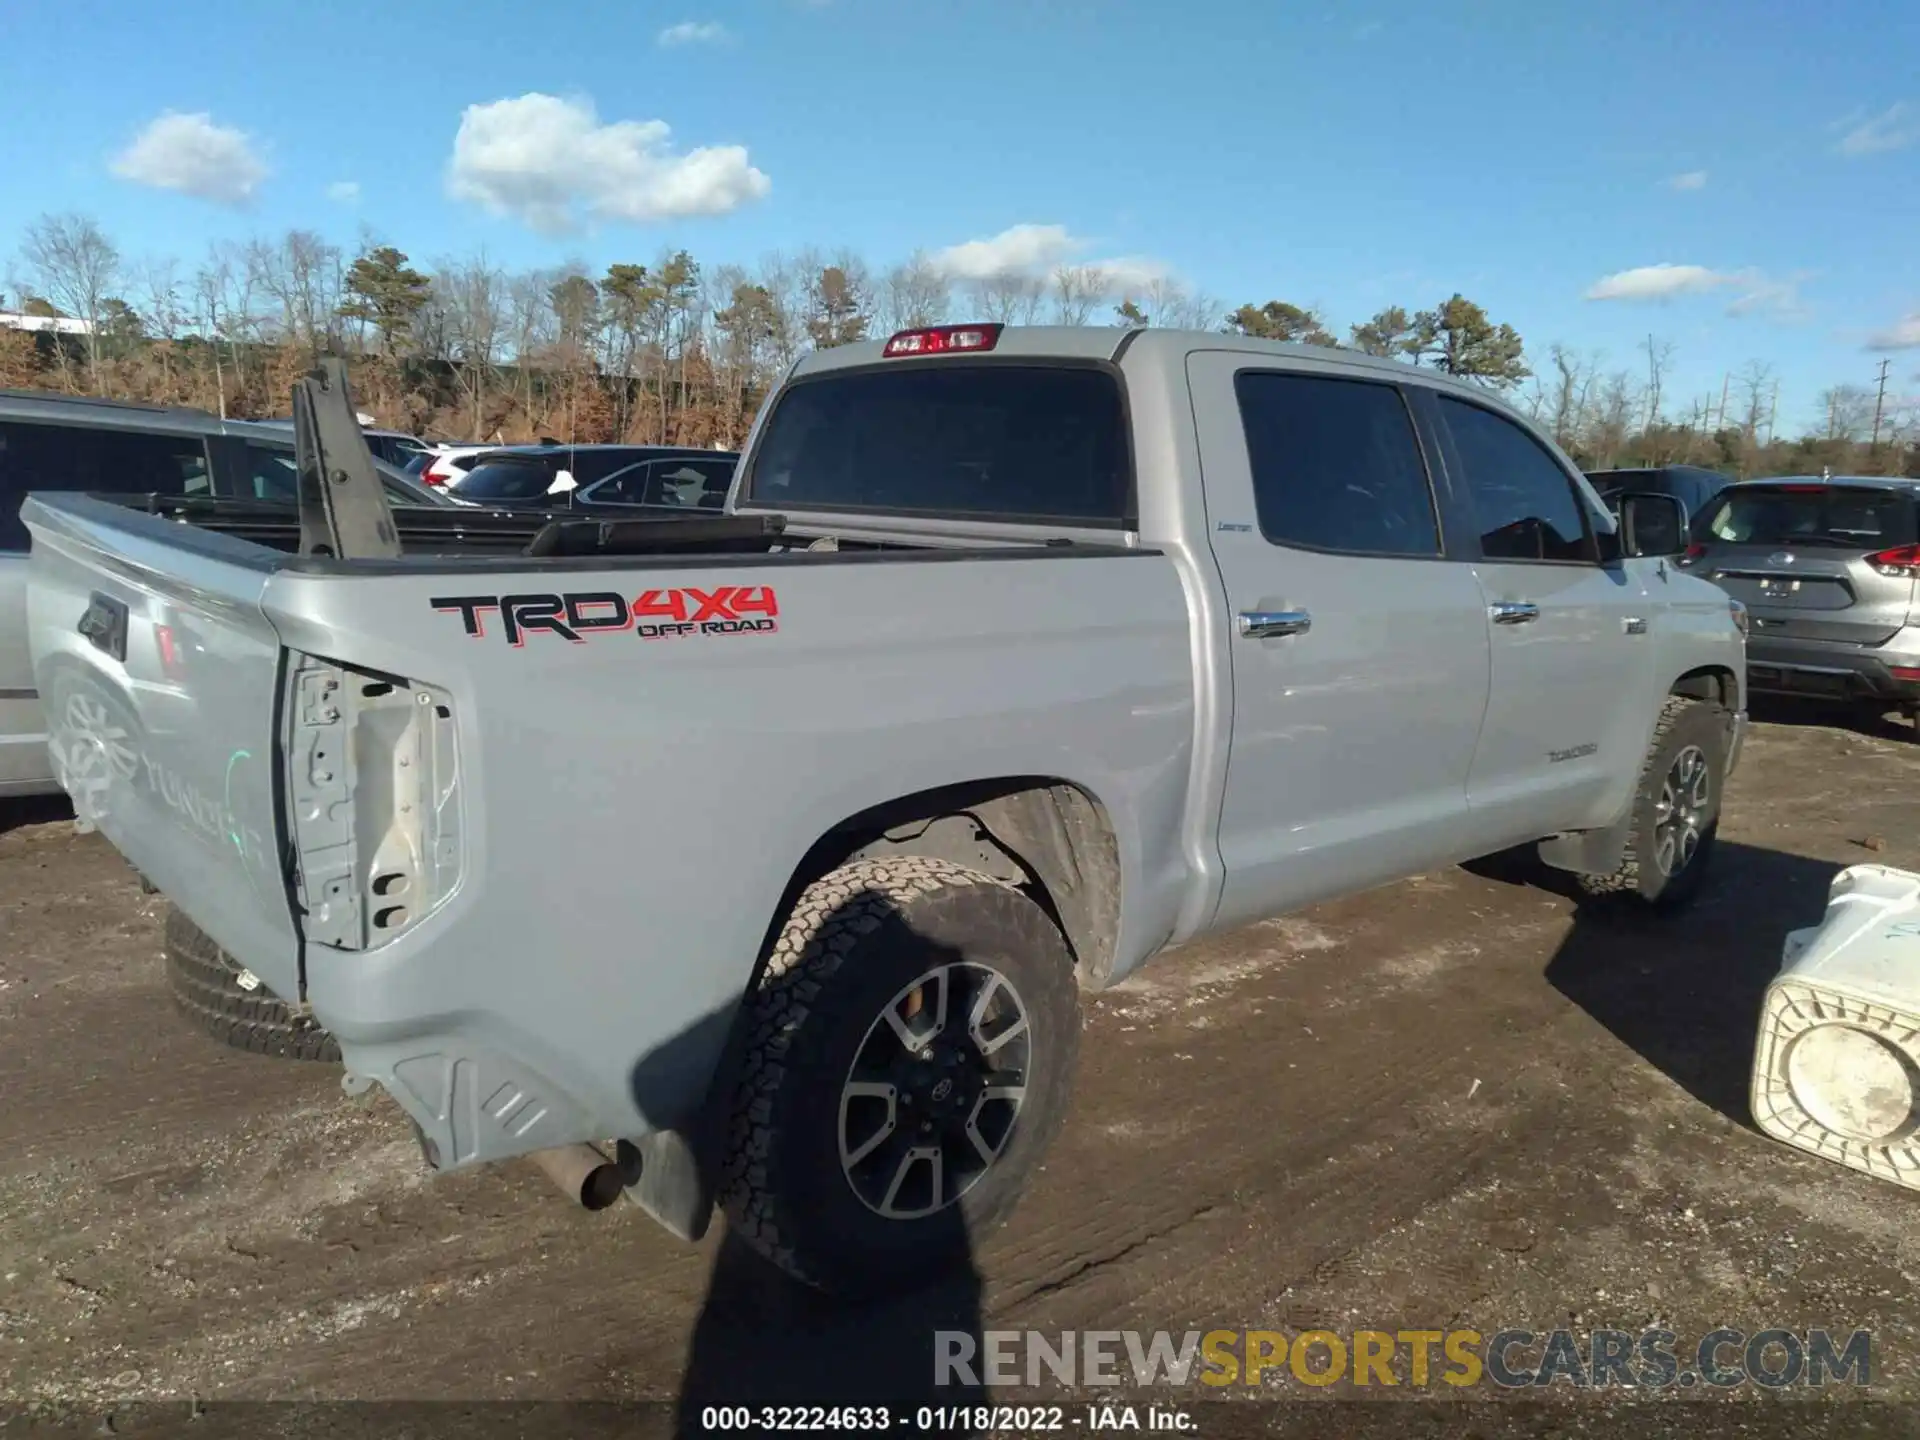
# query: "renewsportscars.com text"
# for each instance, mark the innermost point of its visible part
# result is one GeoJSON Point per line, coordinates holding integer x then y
{"type": "Point", "coordinates": [1514, 1359]}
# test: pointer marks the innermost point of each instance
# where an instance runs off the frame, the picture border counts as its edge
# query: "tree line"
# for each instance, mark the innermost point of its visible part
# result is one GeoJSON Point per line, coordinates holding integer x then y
{"type": "Point", "coordinates": [680, 352]}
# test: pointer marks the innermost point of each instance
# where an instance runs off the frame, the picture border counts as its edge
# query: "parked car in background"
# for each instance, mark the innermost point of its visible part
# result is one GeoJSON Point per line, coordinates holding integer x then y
{"type": "Point", "coordinates": [1826, 567]}
{"type": "Point", "coordinates": [1692, 485]}
{"type": "Point", "coordinates": [447, 463]}
{"type": "Point", "coordinates": [395, 447]}
{"type": "Point", "coordinates": [588, 476]}
{"type": "Point", "coordinates": [270, 468]}
{"type": "Point", "coordinates": [56, 442]}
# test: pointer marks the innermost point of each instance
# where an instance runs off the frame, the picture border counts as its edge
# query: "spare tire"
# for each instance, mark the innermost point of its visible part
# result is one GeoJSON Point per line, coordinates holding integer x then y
{"type": "Point", "coordinates": [233, 1006]}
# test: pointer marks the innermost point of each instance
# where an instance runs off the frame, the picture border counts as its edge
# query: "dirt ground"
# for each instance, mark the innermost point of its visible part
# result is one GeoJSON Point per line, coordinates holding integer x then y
{"type": "Point", "coordinates": [1457, 1101]}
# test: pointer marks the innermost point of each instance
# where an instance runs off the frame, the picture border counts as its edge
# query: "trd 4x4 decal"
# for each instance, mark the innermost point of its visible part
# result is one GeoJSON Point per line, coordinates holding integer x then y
{"type": "Point", "coordinates": [652, 614]}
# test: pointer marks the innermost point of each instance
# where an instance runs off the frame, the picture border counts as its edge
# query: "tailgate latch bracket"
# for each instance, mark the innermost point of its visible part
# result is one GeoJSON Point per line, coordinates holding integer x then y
{"type": "Point", "coordinates": [321, 783]}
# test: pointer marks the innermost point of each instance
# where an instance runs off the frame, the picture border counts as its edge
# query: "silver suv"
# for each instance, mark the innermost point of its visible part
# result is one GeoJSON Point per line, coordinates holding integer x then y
{"type": "Point", "coordinates": [1826, 567]}
{"type": "Point", "coordinates": [66, 442]}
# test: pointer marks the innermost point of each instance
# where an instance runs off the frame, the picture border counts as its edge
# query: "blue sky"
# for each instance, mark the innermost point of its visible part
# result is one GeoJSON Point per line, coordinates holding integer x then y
{"type": "Point", "coordinates": [1765, 154]}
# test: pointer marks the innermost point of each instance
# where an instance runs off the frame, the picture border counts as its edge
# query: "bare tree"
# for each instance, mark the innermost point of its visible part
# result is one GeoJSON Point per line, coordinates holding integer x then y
{"type": "Point", "coordinates": [1756, 381]}
{"type": "Point", "coordinates": [302, 274]}
{"type": "Point", "coordinates": [914, 293]}
{"type": "Point", "coordinates": [1849, 411]}
{"type": "Point", "coordinates": [1659, 355]}
{"type": "Point", "coordinates": [76, 267]}
{"type": "Point", "coordinates": [167, 315]}
{"type": "Point", "coordinates": [529, 330]}
{"type": "Point", "coordinates": [1010, 299]}
{"type": "Point", "coordinates": [223, 291]}
{"type": "Point", "coordinates": [785, 279]}
{"type": "Point", "coordinates": [475, 298]}
{"type": "Point", "coordinates": [1077, 292]}
{"type": "Point", "coordinates": [1168, 304]}
{"type": "Point", "coordinates": [1757, 396]}
{"type": "Point", "coordinates": [1561, 396]}
{"type": "Point", "coordinates": [1614, 411]}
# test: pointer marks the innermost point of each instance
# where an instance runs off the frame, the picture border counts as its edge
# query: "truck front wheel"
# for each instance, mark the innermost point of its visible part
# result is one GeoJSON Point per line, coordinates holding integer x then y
{"type": "Point", "coordinates": [1676, 808]}
{"type": "Point", "coordinates": [909, 1055]}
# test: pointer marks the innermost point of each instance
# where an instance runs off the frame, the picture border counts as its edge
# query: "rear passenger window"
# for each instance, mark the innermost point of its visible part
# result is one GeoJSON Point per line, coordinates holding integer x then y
{"type": "Point", "coordinates": [272, 472]}
{"type": "Point", "coordinates": [694, 484]}
{"type": "Point", "coordinates": [1336, 465]}
{"type": "Point", "coordinates": [64, 457]}
{"type": "Point", "coordinates": [1525, 502]}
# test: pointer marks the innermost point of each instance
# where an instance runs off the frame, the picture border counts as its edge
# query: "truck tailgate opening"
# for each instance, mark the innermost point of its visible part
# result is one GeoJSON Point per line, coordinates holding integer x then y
{"type": "Point", "coordinates": [161, 677]}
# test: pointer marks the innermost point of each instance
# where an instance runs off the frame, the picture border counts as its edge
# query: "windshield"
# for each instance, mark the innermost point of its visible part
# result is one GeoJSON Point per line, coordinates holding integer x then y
{"type": "Point", "coordinates": [507, 479]}
{"type": "Point", "coordinates": [1866, 519]}
{"type": "Point", "coordinates": [1025, 442]}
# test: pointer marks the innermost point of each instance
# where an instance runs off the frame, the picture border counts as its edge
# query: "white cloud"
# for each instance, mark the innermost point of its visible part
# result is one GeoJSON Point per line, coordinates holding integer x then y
{"type": "Point", "coordinates": [1894, 128]}
{"type": "Point", "coordinates": [1688, 180]}
{"type": "Point", "coordinates": [1130, 274]}
{"type": "Point", "coordinates": [1017, 250]}
{"type": "Point", "coordinates": [1368, 30]}
{"type": "Point", "coordinates": [1754, 292]}
{"type": "Point", "coordinates": [547, 161]}
{"type": "Point", "coordinates": [344, 192]}
{"type": "Point", "coordinates": [194, 156]}
{"type": "Point", "coordinates": [1035, 252]}
{"type": "Point", "coordinates": [1764, 294]}
{"type": "Point", "coordinates": [1901, 335]}
{"type": "Point", "coordinates": [1656, 282]}
{"type": "Point", "coordinates": [693, 32]}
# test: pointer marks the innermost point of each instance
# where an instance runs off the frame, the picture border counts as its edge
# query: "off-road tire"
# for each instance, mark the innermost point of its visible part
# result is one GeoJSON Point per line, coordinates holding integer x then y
{"type": "Point", "coordinates": [1683, 721]}
{"type": "Point", "coordinates": [206, 987]}
{"type": "Point", "coordinates": [853, 941]}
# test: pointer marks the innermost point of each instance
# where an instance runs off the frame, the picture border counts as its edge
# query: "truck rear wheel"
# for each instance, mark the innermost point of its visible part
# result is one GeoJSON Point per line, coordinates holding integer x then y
{"type": "Point", "coordinates": [233, 1006]}
{"type": "Point", "coordinates": [909, 1056]}
{"type": "Point", "coordinates": [1676, 808]}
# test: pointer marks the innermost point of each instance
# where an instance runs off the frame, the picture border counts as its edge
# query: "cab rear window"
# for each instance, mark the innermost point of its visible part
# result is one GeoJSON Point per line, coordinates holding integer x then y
{"type": "Point", "coordinates": [993, 441]}
{"type": "Point", "coordinates": [1835, 515]}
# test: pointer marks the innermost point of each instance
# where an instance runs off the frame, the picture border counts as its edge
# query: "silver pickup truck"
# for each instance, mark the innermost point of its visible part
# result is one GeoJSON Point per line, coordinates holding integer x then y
{"type": "Point", "coordinates": [776, 848]}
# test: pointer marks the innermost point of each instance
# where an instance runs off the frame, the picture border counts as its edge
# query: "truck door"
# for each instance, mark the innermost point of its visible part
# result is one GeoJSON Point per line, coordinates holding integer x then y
{"type": "Point", "coordinates": [1572, 659]}
{"type": "Point", "coordinates": [1360, 648]}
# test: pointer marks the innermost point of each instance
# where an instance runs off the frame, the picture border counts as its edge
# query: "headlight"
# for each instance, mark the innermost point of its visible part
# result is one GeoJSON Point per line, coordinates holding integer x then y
{"type": "Point", "coordinates": [1739, 613]}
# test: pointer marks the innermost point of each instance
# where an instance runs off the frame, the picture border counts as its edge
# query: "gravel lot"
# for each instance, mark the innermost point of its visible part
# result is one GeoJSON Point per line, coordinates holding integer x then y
{"type": "Point", "coordinates": [1457, 1101]}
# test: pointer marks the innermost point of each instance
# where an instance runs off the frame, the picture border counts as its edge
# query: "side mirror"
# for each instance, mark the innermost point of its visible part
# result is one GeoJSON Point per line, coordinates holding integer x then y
{"type": "Point", "coordinates": [1651, 524]}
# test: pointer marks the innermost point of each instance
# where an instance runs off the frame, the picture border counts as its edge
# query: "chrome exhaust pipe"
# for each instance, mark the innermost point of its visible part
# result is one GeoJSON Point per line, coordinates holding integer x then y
{"type": "Point", "coordinates": [583, 1173]}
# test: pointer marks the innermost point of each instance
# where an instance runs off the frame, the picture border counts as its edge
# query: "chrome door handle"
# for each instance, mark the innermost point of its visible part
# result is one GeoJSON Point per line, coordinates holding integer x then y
{"type": "Point", "coordinates": [1513, 612]}
{"type": "Point", "coordinates": [1266, 624]}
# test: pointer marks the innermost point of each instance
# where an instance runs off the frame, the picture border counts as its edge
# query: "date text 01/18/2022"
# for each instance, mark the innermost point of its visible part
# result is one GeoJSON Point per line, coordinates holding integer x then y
{"type": "Point", "coordinates": [945, 1419]}
{"type": "Point", "coordinates": [652, 614]}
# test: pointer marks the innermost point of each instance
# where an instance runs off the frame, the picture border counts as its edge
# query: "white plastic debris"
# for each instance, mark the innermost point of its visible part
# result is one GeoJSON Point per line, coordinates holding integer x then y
{"type": "Point", "coordinates": [1836, 1071]}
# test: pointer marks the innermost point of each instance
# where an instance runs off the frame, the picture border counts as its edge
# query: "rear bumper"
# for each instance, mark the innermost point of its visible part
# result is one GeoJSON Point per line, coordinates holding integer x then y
{"type": "Point", "coordinates": [1831, 671]}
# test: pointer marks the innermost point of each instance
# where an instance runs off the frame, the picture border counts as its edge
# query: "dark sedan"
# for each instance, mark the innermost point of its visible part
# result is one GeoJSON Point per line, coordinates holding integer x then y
{"type": "Point", "coordinates": [622, 478]}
